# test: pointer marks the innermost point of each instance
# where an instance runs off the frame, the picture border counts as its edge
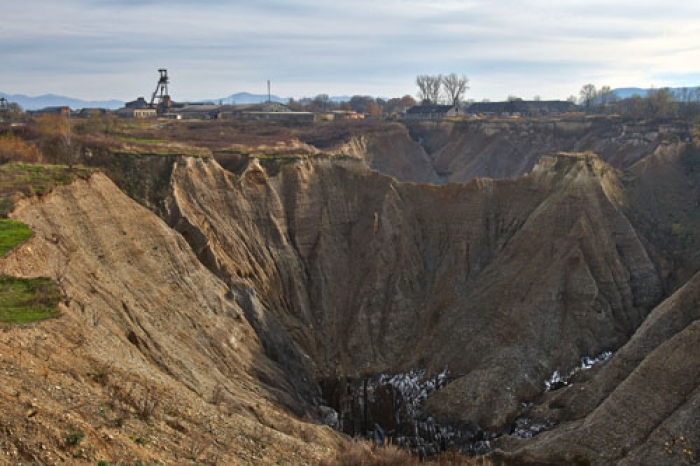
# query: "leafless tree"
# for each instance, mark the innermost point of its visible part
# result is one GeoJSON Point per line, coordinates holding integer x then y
{"type": "Point", "coordinates": [60, 144]}
{"type": "Point", "coordinates": [660, 103]}
{"type": "Point", "coordinates": [587, 95]}
{"type": "Point", "coordinates": [605, 96]}
{"type": "Point", "coordinates": [455, 86]}
{"type": "Point", "coordinates": [71, 151]}
{"type": "Point", "coordinates": [688, 99]}
{"type": "Point", "coordinates": [429, 88]}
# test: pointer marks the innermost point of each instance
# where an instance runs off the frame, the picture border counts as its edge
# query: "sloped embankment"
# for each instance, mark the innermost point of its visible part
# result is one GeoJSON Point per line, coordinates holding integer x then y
{"type": "Point", "coordinates": [640, 407]}
{"type": "Point", "coordinates": [152, 358]}
{"type": "Point", "coordinates": [501, 282]}
{"type": "Point", "coordinates": [462, 151]}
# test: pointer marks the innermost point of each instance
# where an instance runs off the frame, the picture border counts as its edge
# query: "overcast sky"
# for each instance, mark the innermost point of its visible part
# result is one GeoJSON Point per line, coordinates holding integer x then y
{"type": "Point", "coordinates": [101, 49]}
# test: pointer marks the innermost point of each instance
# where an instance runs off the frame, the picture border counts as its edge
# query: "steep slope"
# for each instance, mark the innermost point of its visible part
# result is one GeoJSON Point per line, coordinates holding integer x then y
{"type": "Point", "coordinates": [640, 407]}
{"type": "Point", "coordinates": [461, 151]}
{"type": "Point", "coordinates": [152, 358]}
{"type": "Point", "coordinates": [494, 280]}
{"type": "Point", "coordinates": [663, 191]}
{"type": "Point", "coordinates": [393, 153]}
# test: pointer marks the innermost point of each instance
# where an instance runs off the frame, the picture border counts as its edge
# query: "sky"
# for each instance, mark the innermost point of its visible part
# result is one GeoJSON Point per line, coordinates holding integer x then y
{"type": "Point", "coordinates": [104, 49]}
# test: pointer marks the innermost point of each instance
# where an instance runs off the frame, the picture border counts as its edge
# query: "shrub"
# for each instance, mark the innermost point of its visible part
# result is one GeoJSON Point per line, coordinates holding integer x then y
{"type": "Point", "coordinates": [27, 300]}
{"type": "Point", "coordinates": [15, 149]}
{"type": "Point", "coordinates": [75, 437]}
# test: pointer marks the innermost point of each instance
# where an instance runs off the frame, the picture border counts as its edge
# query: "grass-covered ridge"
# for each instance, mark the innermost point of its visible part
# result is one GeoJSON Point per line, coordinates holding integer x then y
{"type": "Point", "coordinates": [12, 234]}
{"type": "Point", "coordinates": [24, 301]}
{"type": "Point", "coordinates": [33, 179]}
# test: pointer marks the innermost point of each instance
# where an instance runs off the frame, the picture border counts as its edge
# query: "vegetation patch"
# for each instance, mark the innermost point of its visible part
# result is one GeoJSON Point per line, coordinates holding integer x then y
{"type": "Point", "coordinates": [12, 234]}
{"type": "Point", "coordinates": [24, 301]}
{"type": "Point", "coordinates": [140, 140]}
{"type": "Point", "coordinates": [33, 179]}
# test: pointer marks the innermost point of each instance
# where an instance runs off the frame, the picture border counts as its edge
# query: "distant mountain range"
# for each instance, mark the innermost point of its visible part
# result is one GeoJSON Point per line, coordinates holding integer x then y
{"type": "Point", "coordinates": [53, 100]}
{"type": "Point", "coordinates": [627, 92]}
{"type": "Point", "coordinates": [248, 98]}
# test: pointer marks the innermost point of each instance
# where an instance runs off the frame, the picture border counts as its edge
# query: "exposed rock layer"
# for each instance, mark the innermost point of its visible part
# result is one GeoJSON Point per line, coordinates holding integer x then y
{"type": "Point", "coordinates": [494, 280]}
{"type": "Point", "coordinates": [150, 345]}
{"type": "Point", "coordinates": [640, 407]}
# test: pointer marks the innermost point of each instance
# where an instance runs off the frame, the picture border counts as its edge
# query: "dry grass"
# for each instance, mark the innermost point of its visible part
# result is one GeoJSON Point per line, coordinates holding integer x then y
{"type": "Point", "coordinates": [361, 453]}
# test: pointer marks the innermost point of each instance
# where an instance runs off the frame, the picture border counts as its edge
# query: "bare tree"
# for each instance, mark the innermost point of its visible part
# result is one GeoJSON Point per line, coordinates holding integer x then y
{"type": "Point", "coordinates": [688, 99]}
{"type": "Point", "coordinates": [660, 103]}
{"type": "Point", "coordinates": [429, 88]}
{"type": "Point", "coordinates": [455, 86]}
{"type": "Point", "coordinates": [605, 96]}
{"type": "Point", "coordinates": [587, 95]}
{"type": "Point", "coordinates": [322, 101]}
{"type": "Point", "coordinates": [70, 150]}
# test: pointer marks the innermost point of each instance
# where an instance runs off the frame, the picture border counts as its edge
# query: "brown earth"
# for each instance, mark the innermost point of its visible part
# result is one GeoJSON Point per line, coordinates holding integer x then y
{"type": "Point", "coordinates": [203, 336]}
{"type": "Point", "coordinates": [461, 151]}
{"type": "Point", "coordinates": [370, 275]}
{"type": "Point", "coordinates": [640, 407]}
{"type": "Point", "coordinates": [152, 359]}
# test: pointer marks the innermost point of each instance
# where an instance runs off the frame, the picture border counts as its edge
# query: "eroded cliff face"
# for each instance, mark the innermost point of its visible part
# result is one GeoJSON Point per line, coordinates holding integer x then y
{"type": "Point", "coordinates": [462, 151]}
{"type": "Point", "coordinates": [500, 282]}
{"type": "Point", "coordinates": [640, 407]}
{"type": "Point", "coordinates": [150, 345]}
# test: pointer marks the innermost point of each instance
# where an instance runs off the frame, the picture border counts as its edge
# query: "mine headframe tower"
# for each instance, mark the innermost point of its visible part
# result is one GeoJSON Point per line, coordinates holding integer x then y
{"type": "Point", "coordinates": [161, 93]}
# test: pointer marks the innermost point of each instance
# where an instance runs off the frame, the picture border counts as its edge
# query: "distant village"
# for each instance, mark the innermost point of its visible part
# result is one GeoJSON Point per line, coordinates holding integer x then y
{"type": "Point", "coordinates": [141, 108]}
{"type": "Point", "coordinates": [160, 105]}
{"type": "Point", "coordinates": [660, 103]}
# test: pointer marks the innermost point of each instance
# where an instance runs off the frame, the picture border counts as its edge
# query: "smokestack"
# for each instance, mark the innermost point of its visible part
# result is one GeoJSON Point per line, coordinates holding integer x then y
{"type": "Point", "coordinates": [269, 96]}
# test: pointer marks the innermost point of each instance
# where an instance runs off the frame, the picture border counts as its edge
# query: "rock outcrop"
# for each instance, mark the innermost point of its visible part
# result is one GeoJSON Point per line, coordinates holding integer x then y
{"type": "Point", "coordinates": [494, 280]}
{"type": "Point", "coordinates": [462, 151]}
{"type": "Point", "coordinates": [640, 407]}
{"type": "Point", "coordinates": [150, 345]}
{"type": "Point", "coordinates": [208, 332]}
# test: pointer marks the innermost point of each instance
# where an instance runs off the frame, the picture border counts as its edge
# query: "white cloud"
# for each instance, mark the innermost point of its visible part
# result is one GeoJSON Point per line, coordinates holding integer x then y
{"type": "Point", "coordinates": [112, 48]}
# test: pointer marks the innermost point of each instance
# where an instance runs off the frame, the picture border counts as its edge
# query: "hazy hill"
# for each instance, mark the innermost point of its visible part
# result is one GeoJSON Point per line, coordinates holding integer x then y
{"type": "Point", "coordinates": [248, 98]}
{"type": "Point", "coordinates": [627, 92]}
{"type": "Point", "coordinates": [53, 100]}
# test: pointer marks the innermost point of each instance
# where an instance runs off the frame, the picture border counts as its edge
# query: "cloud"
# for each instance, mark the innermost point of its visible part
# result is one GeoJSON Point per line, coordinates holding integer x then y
{"type": "Point", "coordinates": [112, 48]}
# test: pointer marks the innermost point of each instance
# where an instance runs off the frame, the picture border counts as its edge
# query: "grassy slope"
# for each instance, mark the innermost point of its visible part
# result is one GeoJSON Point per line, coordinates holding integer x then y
{"type": "Point", "coordinates": [12, 234]}
{"type": "Point", "coordinates": [27, 300]}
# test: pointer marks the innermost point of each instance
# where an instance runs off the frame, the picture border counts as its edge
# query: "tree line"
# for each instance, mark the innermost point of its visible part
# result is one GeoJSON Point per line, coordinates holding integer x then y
{"type": "Point", "coordinates": [374, 107]}
{"type": "Point", "coordinates": [657, 103]}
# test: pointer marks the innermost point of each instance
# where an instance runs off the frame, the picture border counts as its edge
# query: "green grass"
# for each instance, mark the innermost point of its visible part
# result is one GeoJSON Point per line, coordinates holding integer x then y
{"type": "Point", "coordinates": [27, 300]}
{"type": "Point", "coordinates": [24, 301]}
{"type": "Point", "coordinates": [33, 179]}
{"type": "Point", "coordinates": [140, 140]}
{"type": "Point", "coordinates": [12, 234]}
